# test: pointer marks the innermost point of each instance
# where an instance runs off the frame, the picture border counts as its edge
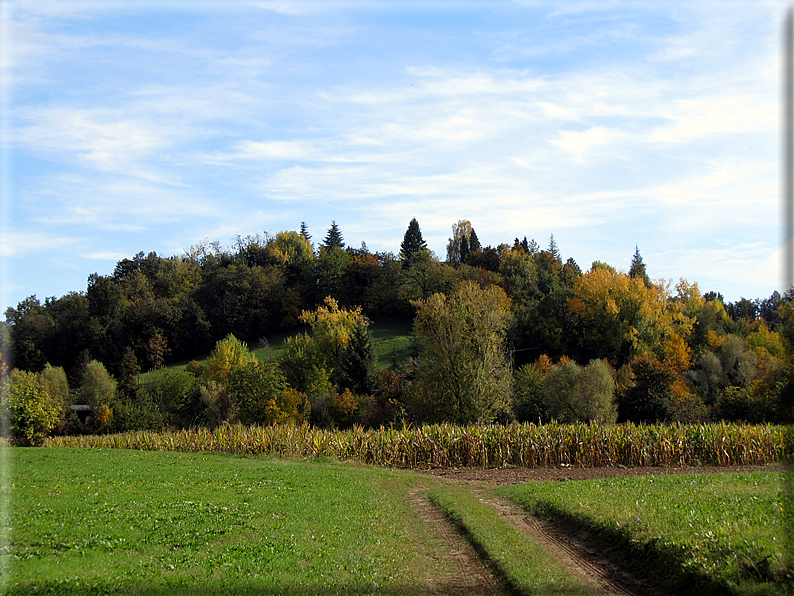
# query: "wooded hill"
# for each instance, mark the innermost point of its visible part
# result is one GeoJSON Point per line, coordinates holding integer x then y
{"type": "Point", "coordinates": [669, 351]}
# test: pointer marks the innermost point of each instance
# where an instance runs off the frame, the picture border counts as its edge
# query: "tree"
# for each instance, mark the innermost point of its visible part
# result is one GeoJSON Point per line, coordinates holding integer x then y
{"type": "Point", "coordinates": [460, 230]}
{"type": "Point", "coordinates": [359, 363]}
{"type": "Point", "coordinates": [463, 374]}
{"type": "Point", "coordinates": [474, 242]}
{"type": "Point", "coordinates": [305, 232]}
{"type": "Point", "coordinates": [580, 394]}
{"type": "Point", "coordinates": [312, 363]}
{"type": "Point", "coordinates": [554, 250]}
{"type": "Point", "coordinates": [31, 411]}
{"type": "Point", "coordinates": [98, 388]}
{"type": "Point", "coordinates": [334, 238]}
{"type": "Point", "coordinates": [229, 353]}
{"type": "Point", "coordinates": [260, 395]}
{"type": "Point", "coordinates": [637, 268]}
{"type": "Point", "coordinates": [651, 398]}
{"type": "Point", "coordinates": [412, 243]}
{"type": "Point", "coordinates": [55, 384]}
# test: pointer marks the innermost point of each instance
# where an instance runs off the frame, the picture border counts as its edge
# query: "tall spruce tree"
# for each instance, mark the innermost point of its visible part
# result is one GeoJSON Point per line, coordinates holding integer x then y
{"type": "Point", "coordinates": [305, 231]}
{"type": "Point", "coordinates": [359, 363]}
{"type": "Point", "coordinates": [553, 249]}
{"type": "Point", "coordinates": [638, 268]}
{"type": "Point", "coordinates": [412, 243]}
{"type": "Point", "coordinates": [334, 237]}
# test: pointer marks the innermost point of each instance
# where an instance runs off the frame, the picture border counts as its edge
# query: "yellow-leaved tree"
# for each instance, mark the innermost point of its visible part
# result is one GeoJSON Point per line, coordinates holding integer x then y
{"type": "Point", "coordinates": [229, 353]}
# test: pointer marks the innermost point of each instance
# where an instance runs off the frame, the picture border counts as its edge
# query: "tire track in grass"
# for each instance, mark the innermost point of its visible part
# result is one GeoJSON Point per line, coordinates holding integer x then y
{"type": "Point", "coordinates": [469, 577]}
{"type": "Point", "coordinates": [586, 566]}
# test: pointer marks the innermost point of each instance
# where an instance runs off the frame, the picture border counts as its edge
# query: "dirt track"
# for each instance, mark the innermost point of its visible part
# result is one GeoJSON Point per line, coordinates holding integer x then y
{"type": "Point", "coordinates": [595, 573]}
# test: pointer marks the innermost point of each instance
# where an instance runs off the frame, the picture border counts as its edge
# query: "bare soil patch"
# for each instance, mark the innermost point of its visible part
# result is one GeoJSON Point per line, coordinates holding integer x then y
{"type": "Point", "coordinates": [503, 476]}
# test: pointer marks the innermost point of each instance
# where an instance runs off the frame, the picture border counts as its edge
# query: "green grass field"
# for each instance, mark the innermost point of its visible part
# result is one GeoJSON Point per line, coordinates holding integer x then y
{"type": "Point", "coordinates": [97, 521]}
{"type": "Point", "coordinates": [122, 521]}
{"type": "Point", "coordinates": [698, 534]}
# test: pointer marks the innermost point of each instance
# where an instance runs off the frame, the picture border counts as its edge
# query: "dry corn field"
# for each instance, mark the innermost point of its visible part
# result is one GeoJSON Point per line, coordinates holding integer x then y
{"type": "Point", "coordinates": [446, 445]}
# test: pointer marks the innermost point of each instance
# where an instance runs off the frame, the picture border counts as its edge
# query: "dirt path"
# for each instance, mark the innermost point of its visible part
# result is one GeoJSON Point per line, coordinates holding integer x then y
{"type": "Point", "coordinates": [469, 577]}
{"type": "Point", "coordinates": [591, 570]}
{"type": "Point", "coordinates": [586, 566]}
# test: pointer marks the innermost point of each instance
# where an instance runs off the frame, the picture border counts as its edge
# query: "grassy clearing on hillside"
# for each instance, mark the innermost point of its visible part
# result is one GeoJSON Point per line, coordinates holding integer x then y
{"type": "Point", "coordinates": [519, 563]}
{"type": "Point", "coordinates": [130, 522]}
{"type": "Point", "coordinates": [391, 340]}
{"type": "Point", "coordinates": [700, 534]}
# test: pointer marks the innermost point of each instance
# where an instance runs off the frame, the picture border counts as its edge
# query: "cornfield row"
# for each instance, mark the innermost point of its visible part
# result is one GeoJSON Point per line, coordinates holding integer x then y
{"type": "Point", "coordinates": [446, 445]}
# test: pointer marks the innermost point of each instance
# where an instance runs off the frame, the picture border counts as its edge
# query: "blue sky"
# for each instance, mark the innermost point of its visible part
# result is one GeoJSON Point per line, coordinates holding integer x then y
{"type": "Point", "coordinates": [148, 126]}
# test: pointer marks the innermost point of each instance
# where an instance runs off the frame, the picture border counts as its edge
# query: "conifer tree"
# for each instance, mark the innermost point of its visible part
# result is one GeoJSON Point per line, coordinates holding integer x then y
{"type": "Point", "coordinates": [305, 231]}
{"type": "Point", "coordinates": [334, 237]}
{"type": "Point", "coordinates": [638, 268]}
{"type": "Point", "coordinates": [358, 365]}
{"type": "Point", "coordinates": [412, 242]}
{"type": "Point", "coordinates": [553, 249]}
{"type": "Point", "coordinates": [474, 242]}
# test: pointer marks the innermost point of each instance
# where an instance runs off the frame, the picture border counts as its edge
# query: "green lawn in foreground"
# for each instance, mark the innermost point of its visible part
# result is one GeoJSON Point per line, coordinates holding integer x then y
{"type": "Point", "coordinates": [96, 521]}
{"type": "Point", "coordinates": [701, 533]}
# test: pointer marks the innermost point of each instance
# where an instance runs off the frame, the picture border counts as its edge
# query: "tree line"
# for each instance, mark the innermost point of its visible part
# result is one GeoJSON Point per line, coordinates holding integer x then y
{"type": "Point", "coordinates": [501, 333]}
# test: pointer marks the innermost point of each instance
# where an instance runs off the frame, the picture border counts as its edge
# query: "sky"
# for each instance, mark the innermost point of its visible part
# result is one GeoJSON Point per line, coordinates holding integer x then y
{"type": "Point", "coordinates": [130, 126]}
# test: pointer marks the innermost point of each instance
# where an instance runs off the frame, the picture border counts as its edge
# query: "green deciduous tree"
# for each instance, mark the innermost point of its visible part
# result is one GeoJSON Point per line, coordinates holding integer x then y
{"type": "Point", "coordinates": [463, 374]}
{"type": "Point", "coordinates": [31, 411]}
{"type": "Point", "coordinates": [574, 393]}
{"type": "Point", "coordinates": [260, 395]}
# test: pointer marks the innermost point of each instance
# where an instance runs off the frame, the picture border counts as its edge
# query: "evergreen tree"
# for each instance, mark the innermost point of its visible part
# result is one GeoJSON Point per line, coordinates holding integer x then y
{"type": "Point", "coordinates": [638, 268]}
{"type": "Point", "coordinates": [334, 237]}
{"type": "Point", "coordinates": [474, 242]}
{"type": "Point", "coordinates": [305, 231]}
{"type": "Point", "coordinates": [412, 242]}
{"type": "Point", "coordinates": [553, 249]}
{"type": "Point", "coordinates": [464, 249]}
{"type": "Point", "coordinates": [359, 363]}
{"type": "Point", "coordinates": [525, 245]}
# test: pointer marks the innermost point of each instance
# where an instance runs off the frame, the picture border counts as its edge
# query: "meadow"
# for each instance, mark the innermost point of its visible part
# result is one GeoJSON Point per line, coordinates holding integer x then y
{"type": "Point", "coordinates": [128, 521]}
{"type": "Point", "coordinates": [97, 521]}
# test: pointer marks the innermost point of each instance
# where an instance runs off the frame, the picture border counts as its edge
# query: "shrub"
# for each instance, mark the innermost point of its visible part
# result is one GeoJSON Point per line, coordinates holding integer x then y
{"type": "Point", "coordinates": [55, 384]}
{"type": "Point", "coordinates": [529, 404]}
{"type": "Point", "coordinates": [580, 394]}
{"type": "Point", "coordinates": [32, 413]}
{"type": "Point", "coordinates": [229, 353]}
{"type": "Point", "coordinates": [259, 394]}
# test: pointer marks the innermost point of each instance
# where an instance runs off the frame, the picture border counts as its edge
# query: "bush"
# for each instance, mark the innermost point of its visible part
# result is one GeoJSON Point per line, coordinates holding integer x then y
{"type": "Point", "coordinates": [175, 394]}
{"type": "Point", "coordinates": [580, 394]}
{"type": "Point", "coordinates": [529, 403]}
{"type": "Point", "coordinates": [32, 413]}
{"type": "Point", "coordinates": [260, 396]}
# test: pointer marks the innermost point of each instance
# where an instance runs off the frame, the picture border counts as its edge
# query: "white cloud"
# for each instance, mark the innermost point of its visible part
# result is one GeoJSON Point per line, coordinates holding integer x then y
{"type": "Point", "coordinates": [580, 143]}
{"type": "Point", "coordinates": [22, 243]}
{"type": "Point", "coordinates": [704, 116]}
